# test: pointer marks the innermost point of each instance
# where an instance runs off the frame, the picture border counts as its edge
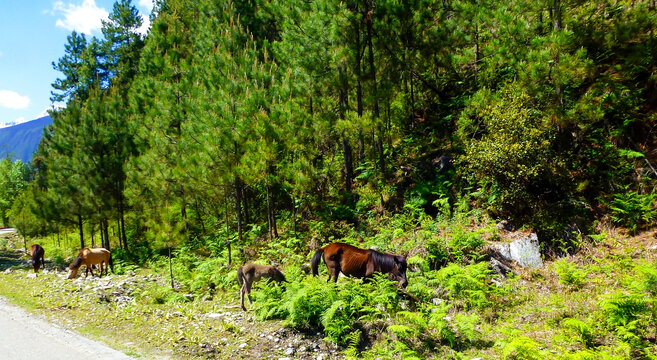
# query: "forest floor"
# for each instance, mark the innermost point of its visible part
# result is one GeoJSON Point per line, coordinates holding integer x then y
{"type": "Point", "coordinates": [104, 309]}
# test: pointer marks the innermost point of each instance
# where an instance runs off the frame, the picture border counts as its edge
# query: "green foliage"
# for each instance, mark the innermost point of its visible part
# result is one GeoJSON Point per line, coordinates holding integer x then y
{"type": "Point", "coordinates": [580, 329]}
{"type": "Point", "coordinates": [633, 210]}
{"type": "Point", "coordinates": [469, 284]}
{"type": "Point", "coordinates": [159, 294]}
{"type": "Point", "coordinates": [522, 348]}
{"type": "Point", "coordinates": [569, 274]}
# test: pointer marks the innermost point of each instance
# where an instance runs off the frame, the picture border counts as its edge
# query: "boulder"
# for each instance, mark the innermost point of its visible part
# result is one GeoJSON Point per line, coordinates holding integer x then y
{"type": "Point", "coordinates": [525, 251]}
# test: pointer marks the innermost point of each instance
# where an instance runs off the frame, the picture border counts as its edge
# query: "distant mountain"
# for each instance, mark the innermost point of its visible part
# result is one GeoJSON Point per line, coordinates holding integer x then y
{"type": "Point", "coordinates": [20, 141]}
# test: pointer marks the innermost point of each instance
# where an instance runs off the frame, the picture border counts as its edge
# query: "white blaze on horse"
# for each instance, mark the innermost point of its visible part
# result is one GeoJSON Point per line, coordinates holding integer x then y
{"type": "Point", "coordinates": [89, 257]}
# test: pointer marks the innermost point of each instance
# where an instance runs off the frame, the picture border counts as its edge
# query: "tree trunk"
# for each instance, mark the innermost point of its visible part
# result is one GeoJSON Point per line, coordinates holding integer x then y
{"type": "Point", "coordinates": [270, 228]}
{"type": "Point", "coordinates": [294, 216]}
{"type": "Point", "coordinates": [171, 270]}
{"type": "Point", "coordinates": [348, 163]}
{"type": "Point", "coordinates": [238, 208]}
{"type": "Point", "coordinates": [81, 231]}
{"type": "Point", "coordinates": [106, 231]}
{"type": "Point", "coordinates": [245, 200]}
{"type": "Point", "coordinates": [122, 220]}
{"type": "Point", "coordinates": [377, 144]}
{"type": "Point", "coordinates": [230, 260]}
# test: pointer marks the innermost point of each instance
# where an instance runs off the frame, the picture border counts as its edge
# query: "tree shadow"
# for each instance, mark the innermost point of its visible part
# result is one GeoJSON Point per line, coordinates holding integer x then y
{"type": "Point", "coordinates": [12, 259]}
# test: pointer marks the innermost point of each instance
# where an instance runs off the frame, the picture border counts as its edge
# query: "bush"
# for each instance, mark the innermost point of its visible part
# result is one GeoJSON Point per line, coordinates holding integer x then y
{"type": "Point", "coordinates": [569, 274]}
{"type": "Point", "coordinates": [633, 210]}
{"type": "Point", "coordinates": [468, 284]}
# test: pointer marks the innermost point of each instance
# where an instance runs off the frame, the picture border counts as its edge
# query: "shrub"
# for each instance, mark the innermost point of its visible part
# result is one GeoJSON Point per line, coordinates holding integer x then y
{"type": "Point", "coordinates": [569, 274]}
{"type": "Point", "coordinates": [523, 348]}
{"type": "Point", "coordinates": [633, 210]}
{"type": "Point", "coordinates": [579, 329]}
{"type": "Point", "coordinates": [468, 284]}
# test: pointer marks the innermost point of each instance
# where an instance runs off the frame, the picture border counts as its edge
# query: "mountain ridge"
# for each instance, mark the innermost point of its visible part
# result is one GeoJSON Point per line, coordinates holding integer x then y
{"type": "Point", "coordinates": [18, 142]}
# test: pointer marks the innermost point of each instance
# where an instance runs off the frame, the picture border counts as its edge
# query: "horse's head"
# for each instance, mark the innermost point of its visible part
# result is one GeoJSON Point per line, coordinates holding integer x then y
{"type": "Point", "coordinates": [73, 268]}
{"type": "Point", "coordinates": [276, 275]}
{"type": "Point", "coordinates": [399, 270]}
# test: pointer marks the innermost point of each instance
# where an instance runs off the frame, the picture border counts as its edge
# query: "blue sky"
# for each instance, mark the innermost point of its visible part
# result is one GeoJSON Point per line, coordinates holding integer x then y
{"type": "Point", "coordinates": [32, 36]}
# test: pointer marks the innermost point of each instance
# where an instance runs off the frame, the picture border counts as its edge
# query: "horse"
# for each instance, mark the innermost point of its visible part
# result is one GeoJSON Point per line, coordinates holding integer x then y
{"type": "Point", "coordinates": [37, 253]}
{"type": "Point", "coordinates": [91, 257]}
{"type": "Point", "coordinates": [360, 263]}
{"type": "Point", "coordinates": [250, 273]}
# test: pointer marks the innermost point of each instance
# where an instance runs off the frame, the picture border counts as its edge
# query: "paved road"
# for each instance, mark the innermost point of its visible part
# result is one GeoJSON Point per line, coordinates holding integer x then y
{"type": "Point", "coordinates": [7, 230]}
{"type": "Point", "coordinates": [26, 337]}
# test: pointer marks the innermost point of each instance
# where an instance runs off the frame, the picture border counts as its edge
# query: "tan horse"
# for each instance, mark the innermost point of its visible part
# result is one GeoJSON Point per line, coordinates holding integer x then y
{"type": "Point", "coordinates": [89, 257]}
{"type": "Point", "coordinates": [250, 273]}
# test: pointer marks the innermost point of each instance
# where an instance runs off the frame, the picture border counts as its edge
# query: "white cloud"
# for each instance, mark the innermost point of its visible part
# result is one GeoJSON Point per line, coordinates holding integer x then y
{"type": "Point", "coordinates": [84, 18]}
{"type": "Point", "coordinates": [146, 4]}
{"type": "Point", "coordinates": [13, 100]}
{"type": "Point", "coordinates": [145, 25]}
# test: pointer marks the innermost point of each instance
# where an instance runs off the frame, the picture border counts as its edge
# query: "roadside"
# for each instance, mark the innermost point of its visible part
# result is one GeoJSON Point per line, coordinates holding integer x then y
{"type": "Point", "coordinates": [134, 313]}
{"type": "Point", "coordinates": [27, 337]}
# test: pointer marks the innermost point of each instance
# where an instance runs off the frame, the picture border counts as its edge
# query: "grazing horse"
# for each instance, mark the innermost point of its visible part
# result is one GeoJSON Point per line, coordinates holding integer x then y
{"type": "Point", "coordinates": [360, 263]}
{"type": "Point", "coordinates": [37, 253]}
{"type": "Point", "coordinates": [91, 257]}
{"type": "Point", "coordinates": [250, 273]}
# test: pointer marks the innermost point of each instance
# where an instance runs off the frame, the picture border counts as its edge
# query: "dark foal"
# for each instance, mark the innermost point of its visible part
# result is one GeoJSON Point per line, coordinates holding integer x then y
{"type": "Point", "coordinates": [250, 273]}
{"type": "Point", "coordinates": [37, 253]}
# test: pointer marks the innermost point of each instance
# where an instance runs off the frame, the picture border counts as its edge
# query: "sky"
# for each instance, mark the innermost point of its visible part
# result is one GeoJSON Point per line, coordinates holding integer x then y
{"type": "Point", "coordinates": [32, 36]}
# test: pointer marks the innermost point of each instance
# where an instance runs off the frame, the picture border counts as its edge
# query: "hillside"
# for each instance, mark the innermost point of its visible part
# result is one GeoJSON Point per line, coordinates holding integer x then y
{"type": "Point", "coordinates": [20, 141]}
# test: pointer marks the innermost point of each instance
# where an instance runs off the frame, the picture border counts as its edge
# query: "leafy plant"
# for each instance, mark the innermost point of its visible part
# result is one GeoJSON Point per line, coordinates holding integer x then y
{"type": "Point", "coordinates": [569, 274]}
{"type": "Point", "coordinates": [633, 209]}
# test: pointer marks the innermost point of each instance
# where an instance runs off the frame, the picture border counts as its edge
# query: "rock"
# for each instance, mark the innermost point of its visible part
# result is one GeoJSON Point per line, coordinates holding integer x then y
{"type": "Point", "coordinates": [319, 357]}
{"type": "Point", "coordinates": [8, 271]}
{"type": "Point", "coordinates": [242, 345]}
{"type": "Point", "coordinates": [654, 247]}
{"type": "Point", "coordinates": [501, 268]}
{"type": "Point", "coordinates": [31, 276]}
{"type": "Point", "coordinates": [525, 251]}
{"type": "Point", "coordinates": [189, 297]}
{"type": "Point", "coordinates": [437, 301]}
{"type": "Point", "coordinates": [289, 351]}
{"type": "Point", "coordinates": [285, 358]}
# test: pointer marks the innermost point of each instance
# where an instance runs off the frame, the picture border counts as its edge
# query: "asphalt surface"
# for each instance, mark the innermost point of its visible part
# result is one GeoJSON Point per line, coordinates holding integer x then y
{"type": "Point", "coordinates": [7, 230]}
{"type": "Point", "coordinates": [26, 337]}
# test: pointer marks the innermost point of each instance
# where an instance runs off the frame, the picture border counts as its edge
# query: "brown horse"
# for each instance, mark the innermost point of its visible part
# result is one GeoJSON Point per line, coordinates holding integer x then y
{"type": "Point", "coordinates": [37, 253]}
{"type": "Point", "coordinates": [91, 257]}
{"type": "Point", "coordinates": [250, 273]}
{"type": "Point", "coordinates": [359, 263]}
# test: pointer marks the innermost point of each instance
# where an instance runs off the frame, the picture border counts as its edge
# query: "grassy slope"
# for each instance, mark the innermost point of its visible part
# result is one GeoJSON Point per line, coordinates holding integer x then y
{"type": "Point", "coordinates": [562, 310]}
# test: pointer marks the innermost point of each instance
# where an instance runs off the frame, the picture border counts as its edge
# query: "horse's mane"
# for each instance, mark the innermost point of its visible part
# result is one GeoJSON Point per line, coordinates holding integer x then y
{"type": "Point", "coordinates": [77, 262]}
{"type": "Point", "coordinates": [386, 262]}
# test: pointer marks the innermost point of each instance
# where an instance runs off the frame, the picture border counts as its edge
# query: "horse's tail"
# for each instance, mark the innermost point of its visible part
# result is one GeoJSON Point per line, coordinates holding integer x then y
{"type": "Point", "coordinates": [240, 276]}
{"type": "Point", "coordinates": [317, 258]}
{"type": "Point", "coordinates": [111, 263]}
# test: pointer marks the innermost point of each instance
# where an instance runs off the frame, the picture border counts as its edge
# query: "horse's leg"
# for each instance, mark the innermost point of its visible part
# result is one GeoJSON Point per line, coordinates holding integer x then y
{"type": "Point", "coordinates": [248, 284]}
{"type": "Point", "coordinates": [242, 291]}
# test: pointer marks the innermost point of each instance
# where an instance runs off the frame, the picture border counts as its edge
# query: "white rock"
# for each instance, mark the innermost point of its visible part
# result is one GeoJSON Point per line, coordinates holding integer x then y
{"type": "Point", "coordinates": [242, 345]}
